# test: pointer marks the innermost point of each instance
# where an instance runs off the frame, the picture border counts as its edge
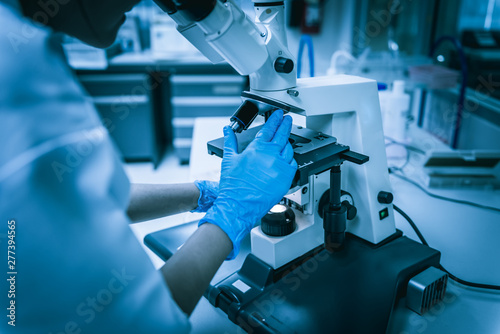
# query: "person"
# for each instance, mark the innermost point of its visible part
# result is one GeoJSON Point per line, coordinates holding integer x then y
{"type": "Point", "coordinates": [78, 267]}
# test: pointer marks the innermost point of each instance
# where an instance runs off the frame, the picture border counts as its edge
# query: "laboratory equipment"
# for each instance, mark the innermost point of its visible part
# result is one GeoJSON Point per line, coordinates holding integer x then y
{"type": "Point", "coordinates": [326, 272]}
{"type": "Point", "coordinates": [462, 169]}
{"type": "Point", "coordinates": [481, 52]}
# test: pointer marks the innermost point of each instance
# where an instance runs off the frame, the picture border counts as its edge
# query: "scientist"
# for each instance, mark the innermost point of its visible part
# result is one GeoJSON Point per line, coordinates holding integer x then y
{"type": "Point", "coordinates": [78, 267]}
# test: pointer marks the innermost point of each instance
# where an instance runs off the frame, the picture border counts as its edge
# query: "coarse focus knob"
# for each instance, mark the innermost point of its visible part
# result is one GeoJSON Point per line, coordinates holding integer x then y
{"type": "Point", "coordinates": [385, 197]}
{"type": "Point", "coordinates": [279, 221]}
{"type": "Point", "coordinates": [283, 65]}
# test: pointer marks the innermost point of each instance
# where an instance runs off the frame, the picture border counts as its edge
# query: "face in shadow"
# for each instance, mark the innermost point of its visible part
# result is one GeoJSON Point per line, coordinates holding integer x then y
{"type": "Point", "coordinates": [95, 22]}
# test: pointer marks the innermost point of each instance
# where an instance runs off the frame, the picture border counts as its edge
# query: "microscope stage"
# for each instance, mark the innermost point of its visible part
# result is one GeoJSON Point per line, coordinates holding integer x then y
{"type": "Point", "coordinates": [314, 151]}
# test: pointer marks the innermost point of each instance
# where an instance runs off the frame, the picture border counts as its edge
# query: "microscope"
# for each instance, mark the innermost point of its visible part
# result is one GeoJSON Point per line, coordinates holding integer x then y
{"type": "Point", "coordinates": [328, 258]}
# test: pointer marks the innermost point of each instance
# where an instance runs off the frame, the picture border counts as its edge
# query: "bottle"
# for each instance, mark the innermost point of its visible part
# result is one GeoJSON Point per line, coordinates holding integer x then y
{"type": "Point", "coordinates": [395, 106]}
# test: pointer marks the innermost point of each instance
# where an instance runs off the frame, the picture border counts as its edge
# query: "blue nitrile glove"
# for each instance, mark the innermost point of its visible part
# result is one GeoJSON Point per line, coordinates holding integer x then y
{"type": "Point", "coordinates": [208, 194]}
{"type": "Point", "coordinates": [253, 181]}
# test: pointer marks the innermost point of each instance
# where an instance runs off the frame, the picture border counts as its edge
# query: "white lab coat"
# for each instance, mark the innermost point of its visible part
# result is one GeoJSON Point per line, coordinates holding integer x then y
{"type": "Point", "coordinates": [79, 267]}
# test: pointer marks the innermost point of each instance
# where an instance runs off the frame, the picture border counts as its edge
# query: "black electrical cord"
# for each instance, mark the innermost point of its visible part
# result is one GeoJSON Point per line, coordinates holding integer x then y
{"type": "Point", "coordinates": [408, 149]}
{"type": "Point", "coordinates": [407, 146]}
{"type": "Point", "coordinates": [412, 224]}
{"type": "Point", "coordinates": [407, 159]}
{"type": "Point", "coordinates": [459, 201]}
{"type": "Point", "coordinates": [453, 277]}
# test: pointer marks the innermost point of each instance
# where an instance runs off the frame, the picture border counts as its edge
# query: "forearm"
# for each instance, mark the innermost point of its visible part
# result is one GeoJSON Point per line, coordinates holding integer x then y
{"type": "Point", "coordinates": [189, 271]}
{"type": "Point", "coordinates": [150, 201]}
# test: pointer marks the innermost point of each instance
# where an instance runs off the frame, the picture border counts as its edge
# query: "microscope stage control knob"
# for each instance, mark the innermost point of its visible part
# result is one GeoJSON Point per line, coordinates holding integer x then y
{"type": "Point", "coordinates": [385, 197]}
{"type": "Point", "coordinates": [279, 221]}
{"type": "Point", "coordinates": [283, 65]}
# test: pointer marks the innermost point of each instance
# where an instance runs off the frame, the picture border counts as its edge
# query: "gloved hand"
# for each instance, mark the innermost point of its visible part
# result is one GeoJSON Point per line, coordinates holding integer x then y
{"type": "Point", "coordinates": [253, 181]}
{"type": "Point", "coordinates": [208, 193]}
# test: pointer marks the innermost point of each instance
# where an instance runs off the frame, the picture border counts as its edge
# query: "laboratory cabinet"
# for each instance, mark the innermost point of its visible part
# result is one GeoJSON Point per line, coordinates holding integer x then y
{"type": "Point", "coordinates": [133, 111]}
{"type": "Point", "coordinates": [198, 95]}
{"type": "Point", "coordinates": [149, 105]}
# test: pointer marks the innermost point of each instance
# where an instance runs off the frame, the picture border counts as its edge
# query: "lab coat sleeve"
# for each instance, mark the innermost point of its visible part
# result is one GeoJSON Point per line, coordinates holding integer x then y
{"type": "Point", "coordinates": [79, 267]}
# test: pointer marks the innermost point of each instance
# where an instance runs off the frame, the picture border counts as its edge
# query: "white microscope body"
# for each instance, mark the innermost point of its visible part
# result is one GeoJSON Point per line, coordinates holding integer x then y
{"type": "Point", "coordinates": [345, 107]}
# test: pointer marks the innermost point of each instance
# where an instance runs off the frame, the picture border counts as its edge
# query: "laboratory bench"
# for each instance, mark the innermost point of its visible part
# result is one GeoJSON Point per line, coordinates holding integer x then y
{"type": "Point", "coordinates": [148, 104]}
{"type": "Point", "coordinates": [466, 236]}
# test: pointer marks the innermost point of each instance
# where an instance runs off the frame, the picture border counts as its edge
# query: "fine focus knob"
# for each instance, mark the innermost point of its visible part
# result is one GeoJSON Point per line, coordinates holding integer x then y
{"type": "Point", "coordinates": [351, 210]}
{"type": "Point", "coordinates": [385, 197]}
{"type": "Point", "coordinates": [279, 221]}
{"type": "Point", "coordinates": [283, 65]}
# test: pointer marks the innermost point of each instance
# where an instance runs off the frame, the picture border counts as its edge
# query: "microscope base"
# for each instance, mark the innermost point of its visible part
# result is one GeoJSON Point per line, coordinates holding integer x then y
{"type": "Point", "coordinates": [351, 291]}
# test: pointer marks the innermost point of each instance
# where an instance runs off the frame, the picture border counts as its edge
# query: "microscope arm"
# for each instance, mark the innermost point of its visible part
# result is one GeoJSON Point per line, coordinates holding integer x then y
{"type": "Point", "coordinates": [222, 31]}
{"type": "Point", "coordinates": [220, 28]}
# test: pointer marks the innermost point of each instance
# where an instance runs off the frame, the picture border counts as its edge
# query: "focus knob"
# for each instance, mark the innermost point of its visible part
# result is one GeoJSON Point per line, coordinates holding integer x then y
{"type": "Point", "coordinates": [351, 210]}
{"type": "Point", "coordinates": [279, 221]}
{"type": "Point", "coordinates": [385, 197]}
{"type": "Point", "coordinates": [283, 65]}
